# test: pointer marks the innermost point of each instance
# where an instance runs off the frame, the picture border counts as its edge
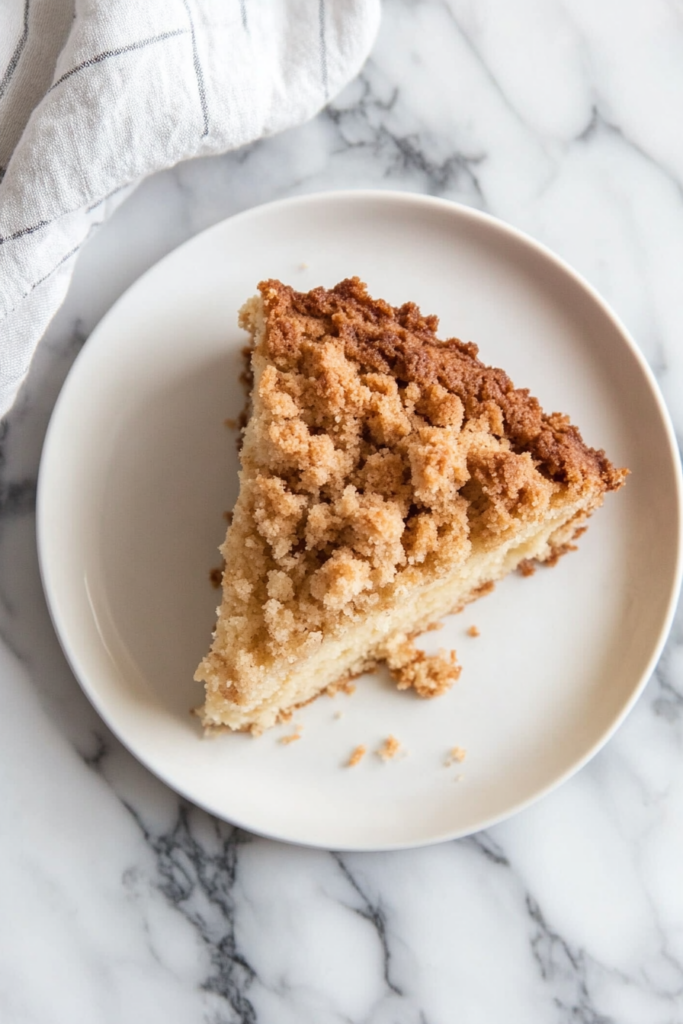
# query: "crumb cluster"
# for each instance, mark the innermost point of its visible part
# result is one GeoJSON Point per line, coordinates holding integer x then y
{"type": "Point", "coordinates": [430, 675]}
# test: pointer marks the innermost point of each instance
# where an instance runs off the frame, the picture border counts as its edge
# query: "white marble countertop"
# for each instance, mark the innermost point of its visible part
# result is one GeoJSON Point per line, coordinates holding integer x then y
{"type": "Point", "coordinates": [121, 903]}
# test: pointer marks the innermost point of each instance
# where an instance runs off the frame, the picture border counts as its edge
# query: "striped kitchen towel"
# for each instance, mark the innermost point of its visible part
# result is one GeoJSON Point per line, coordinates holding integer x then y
{"type": "Point", "coordinates": [97, 94]}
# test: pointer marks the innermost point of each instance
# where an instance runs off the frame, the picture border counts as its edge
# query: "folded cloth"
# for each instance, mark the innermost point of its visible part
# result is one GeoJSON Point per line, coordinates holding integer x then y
{"type": "Point", "coordinates": [97, 94]}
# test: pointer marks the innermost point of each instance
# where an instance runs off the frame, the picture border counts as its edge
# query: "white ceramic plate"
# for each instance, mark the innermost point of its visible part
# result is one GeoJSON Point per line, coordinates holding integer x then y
{"type": "Point", "coordinates": [139, 467]}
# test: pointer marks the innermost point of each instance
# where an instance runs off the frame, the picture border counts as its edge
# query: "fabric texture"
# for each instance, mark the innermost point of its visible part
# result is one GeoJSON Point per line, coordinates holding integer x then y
{"type": "Point", "coordinates": [97, 94]}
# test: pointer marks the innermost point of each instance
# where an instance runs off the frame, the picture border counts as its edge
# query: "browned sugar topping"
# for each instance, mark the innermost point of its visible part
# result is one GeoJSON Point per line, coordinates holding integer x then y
{"type": "Point", "coordinates": [403, 343]}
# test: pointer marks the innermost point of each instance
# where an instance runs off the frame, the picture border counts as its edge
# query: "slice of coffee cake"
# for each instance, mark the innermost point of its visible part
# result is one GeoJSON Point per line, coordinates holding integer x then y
{"type": "Point", "coordinates": [387, 479]}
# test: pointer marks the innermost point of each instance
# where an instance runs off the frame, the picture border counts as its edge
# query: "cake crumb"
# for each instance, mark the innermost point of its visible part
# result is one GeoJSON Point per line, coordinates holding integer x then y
{"type": "Point", "coordinates": [341, 686]}
{"type": "Point", "coordinates": [473, 631]}
{"type": "Point", "coordinates": [303, 266]}
{"type": "Point", "coordinates": [357, 756]}
{"type": "Point", "coordinates": [293, 736]}
{"type": "Point", "coordinates": [430, 675]}
{"type": "Point", "coordinates": [526, 567]}
{"type": "Point", "coordinates": [389, 749]}
{"type": "Point", "coordinates": [558, 552]}
{"type": "Point", "coordinates": [456, 755]}
{"type": "Point", "coordinates": [285, 715]}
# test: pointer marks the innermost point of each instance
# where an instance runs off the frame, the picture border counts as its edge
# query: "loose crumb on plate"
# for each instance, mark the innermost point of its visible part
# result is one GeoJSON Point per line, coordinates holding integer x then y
{"type": "Point", "coordinates": [526, 567]}
{"type": "Point", "coordinates": [357, 756]}
{"type": "Point", "coordinates": [389, 749]}
{"type": "Point", "coordinates": [456, 755]}
{"type": "Point", "coordinates": [473, 631]}
{"type": "Point", "coordinates": [293, 736]}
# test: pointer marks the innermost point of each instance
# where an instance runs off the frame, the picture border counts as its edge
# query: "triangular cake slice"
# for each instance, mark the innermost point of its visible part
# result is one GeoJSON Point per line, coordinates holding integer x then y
{"type": "Point", "coordinates": [387, 479]}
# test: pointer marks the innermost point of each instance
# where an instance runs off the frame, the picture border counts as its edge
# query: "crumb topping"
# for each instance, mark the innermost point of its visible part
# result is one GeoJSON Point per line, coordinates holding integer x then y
{"type": "Point", "coordinates": [402, 344]}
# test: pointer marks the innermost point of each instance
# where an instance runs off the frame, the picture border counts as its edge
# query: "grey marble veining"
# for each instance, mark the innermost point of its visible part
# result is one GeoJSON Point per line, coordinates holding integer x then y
{"type": "Point", "coordinates": [120, 902]}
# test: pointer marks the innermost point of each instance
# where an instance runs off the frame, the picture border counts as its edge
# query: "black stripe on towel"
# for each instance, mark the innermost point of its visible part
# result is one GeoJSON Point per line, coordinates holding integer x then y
{"type": "Point", "coordinates": [323, 47]}
{"type": "Point", "coordinates": [16, 56]}
{"type": "Point", "coordinates": [198, 71]}
{"type": "Point", "coordinates": [106, 54]}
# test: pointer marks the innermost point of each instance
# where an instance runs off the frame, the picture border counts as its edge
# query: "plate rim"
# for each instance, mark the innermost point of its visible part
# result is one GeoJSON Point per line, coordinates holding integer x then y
{"type": "Point", "coordinates": [465, 213]}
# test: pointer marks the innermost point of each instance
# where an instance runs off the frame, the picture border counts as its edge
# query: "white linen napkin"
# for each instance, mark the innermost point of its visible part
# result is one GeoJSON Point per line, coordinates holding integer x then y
{"type": "Point", "coordinates": [97, 94]}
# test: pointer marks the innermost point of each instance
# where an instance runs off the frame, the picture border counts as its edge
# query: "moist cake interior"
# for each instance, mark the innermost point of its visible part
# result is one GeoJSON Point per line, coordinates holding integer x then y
{"type": "Point", "coordinates": [387, 479]}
